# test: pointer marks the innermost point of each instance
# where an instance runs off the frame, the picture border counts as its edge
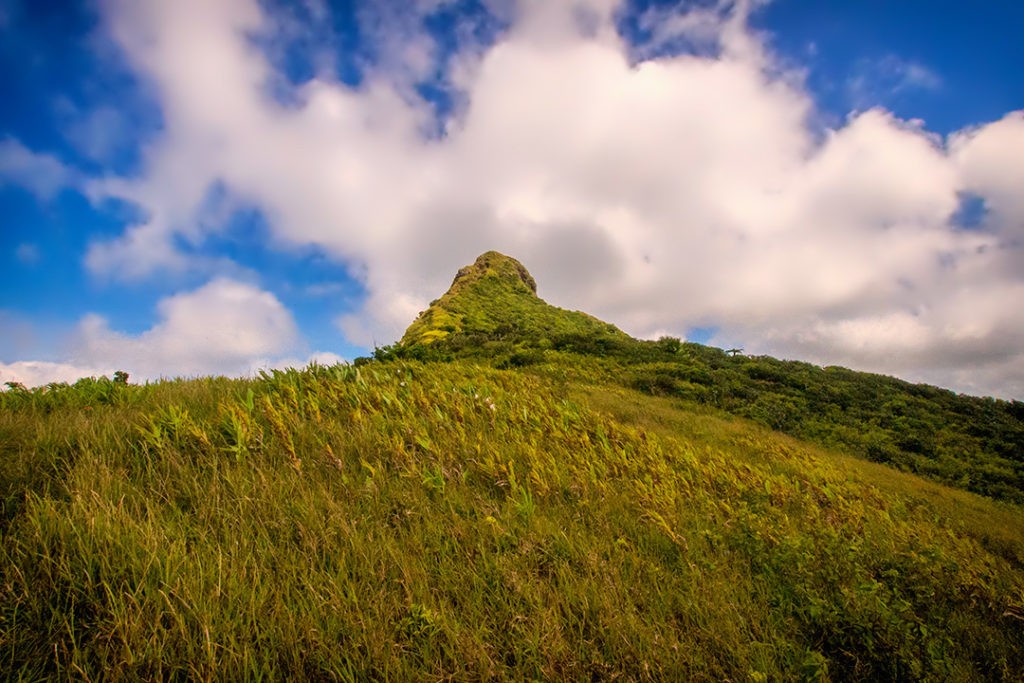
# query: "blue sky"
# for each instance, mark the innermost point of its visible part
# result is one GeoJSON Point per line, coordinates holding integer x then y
{"type": "Point", "coordinates": [212, 187]}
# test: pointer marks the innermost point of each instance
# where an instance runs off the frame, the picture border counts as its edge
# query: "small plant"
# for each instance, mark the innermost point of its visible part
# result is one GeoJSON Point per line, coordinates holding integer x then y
{"type": "Point", "coordinates": [237, 429]}
{"type": "Point", "coordinates": [420, 623]}
{"type": "Point", "coordinates": [433, 478]}
{"type": "Point", "coordinates": [525, 507]}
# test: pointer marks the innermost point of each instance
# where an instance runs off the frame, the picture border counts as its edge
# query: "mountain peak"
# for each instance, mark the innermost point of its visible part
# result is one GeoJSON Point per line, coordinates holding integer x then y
{"type": "Point", "coordinates": [495, 298]}
{"type": "Point", "coordinates": [497, 265]}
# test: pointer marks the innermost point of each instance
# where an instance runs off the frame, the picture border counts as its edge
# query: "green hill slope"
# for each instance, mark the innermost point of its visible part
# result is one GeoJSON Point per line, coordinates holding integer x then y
{"type": "Point", "coordinates": [427, 521]}
{"type": "Point", "coordinates": [491, 314]}
{"type": "Point", "coordinates": [451, 520]}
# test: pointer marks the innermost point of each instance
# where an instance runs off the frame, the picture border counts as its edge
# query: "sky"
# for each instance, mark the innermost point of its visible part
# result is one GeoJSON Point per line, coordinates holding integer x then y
{"type": "Point", "coordinates": [217, 186]}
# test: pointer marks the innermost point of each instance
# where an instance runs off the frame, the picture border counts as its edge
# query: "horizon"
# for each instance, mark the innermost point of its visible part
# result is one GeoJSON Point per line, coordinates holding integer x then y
{"type": "Point", "coordinates": [197, 188]}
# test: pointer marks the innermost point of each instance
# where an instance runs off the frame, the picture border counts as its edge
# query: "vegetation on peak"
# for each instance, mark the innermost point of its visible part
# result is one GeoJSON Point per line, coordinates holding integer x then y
{"type": "Point", "coordinates": [496, 297]}
{"type": "Point", "coordinates": [496, 265]}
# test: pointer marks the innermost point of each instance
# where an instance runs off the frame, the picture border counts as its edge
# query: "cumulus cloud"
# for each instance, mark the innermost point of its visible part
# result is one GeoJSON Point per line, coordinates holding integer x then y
{"type": "Point", "coordinates": [34, 373]}
{"type": "Point", "coordinates": [41, 174]}
{"type": "Point", "coordinates": [989, 158]}
{"type": "Point", "coordinates": [659, 190]}
{"type": "Point", "coordinates": [225, 327]}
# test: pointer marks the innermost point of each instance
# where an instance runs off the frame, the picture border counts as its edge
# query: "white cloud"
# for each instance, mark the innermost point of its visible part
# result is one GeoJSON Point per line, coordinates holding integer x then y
{"type": "Point", "coordinates": [990, 161]}
{"type": "Point", "coordinates": [717, 28]}
{"type": "Point", "coordinates": [41, 174]}
{"type": "Point", "coordinates": [223, 327]}
{"type": "Point", "coordinates": [681, 191]}
{"type": "Point", "coordinates": [320, 358]}
{"type": "Point", "coordinates": [34, 373]}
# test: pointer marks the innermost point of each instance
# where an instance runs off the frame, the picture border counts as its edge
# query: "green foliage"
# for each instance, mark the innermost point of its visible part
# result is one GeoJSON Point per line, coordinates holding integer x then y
{"type": "Point", "coordinates": [86, 392]}
{"type": "Point", "coordinates": [670, 344]}
{"type": "Point", "coordinates": [495, 298]}
{"type": "Point", "coordinates": [513, 492]}
{"type": "Point", "coordinates": [963, 441]}
{"type": "Point", "coordinates": [414, 521]}
{"type": "Point", "coordinates": [972, 443]}
{"type": "Point", "coordinates": [968, 442]}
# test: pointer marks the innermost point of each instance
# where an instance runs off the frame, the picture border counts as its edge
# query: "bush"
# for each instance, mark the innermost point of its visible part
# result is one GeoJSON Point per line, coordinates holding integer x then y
{"type": "Point", "coordinates": [669, 344]}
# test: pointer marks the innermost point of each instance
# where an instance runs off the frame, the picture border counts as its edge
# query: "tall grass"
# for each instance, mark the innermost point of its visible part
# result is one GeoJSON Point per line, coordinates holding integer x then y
{"type": "Point", "coordinates": [443, 520]}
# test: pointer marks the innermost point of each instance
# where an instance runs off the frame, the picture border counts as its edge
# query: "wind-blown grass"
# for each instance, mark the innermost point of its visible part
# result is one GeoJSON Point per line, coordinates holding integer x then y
{"type": "Point", "coordinates": [492, 315]}
{"type": "Point", "coordinates": [428, 521]}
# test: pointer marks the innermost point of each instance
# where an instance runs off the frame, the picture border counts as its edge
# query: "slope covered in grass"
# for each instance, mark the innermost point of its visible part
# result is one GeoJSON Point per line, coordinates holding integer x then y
{"type": "Point", "coordinates": [423, 521]}
{"type": "Point", "coordinates": [972, 443]}
{"type": "Point", "coordinates": [513, 492]}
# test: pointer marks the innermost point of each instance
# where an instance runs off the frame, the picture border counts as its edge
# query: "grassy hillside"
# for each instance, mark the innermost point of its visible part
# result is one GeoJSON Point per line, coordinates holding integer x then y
{"type": "Point", "coordinates": [513, 492]}
{"type": "Point", "coordinates": [425, 521]}
{"type": "Point", "coordinates": [976, 444]}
